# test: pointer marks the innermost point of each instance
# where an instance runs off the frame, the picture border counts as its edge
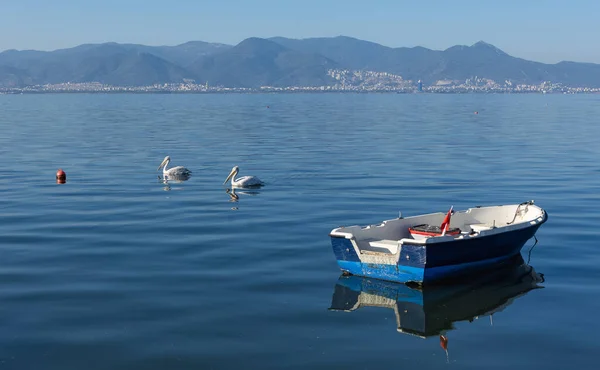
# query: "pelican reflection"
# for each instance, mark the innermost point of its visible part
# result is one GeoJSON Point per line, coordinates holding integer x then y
{"type": "Point", "coordinates": [167, 180]}
{"type": "Point", "coordinates": [234, 194]}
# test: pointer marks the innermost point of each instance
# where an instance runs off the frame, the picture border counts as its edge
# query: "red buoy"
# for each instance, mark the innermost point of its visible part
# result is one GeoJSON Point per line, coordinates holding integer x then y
{"type": "Point", "coordinates": [61, 176]}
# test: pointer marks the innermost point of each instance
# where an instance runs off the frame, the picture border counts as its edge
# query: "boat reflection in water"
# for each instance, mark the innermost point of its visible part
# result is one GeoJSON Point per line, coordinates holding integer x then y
{"type": "Point", "coordinates": [432, 310]}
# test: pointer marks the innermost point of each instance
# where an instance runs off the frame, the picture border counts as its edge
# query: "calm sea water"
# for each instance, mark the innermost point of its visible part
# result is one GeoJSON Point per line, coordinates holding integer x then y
{"type": "Point", "coordinates": [117, 270]}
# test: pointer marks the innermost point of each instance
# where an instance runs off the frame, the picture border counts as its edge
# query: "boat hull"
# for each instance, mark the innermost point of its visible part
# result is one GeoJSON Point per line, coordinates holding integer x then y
{"type": "Point", "coordinates": [430, 263]}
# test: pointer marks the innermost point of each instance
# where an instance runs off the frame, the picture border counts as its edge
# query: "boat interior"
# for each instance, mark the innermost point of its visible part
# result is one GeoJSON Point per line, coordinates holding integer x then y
{"type": "Point", "coordinates": [388, 236]}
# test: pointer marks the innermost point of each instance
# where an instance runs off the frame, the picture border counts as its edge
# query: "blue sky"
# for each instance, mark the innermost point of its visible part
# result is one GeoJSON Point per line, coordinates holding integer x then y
{"type": "Point", "coordinates": [541, 30]}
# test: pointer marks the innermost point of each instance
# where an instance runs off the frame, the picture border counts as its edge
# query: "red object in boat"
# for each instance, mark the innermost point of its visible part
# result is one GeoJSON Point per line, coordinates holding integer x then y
{"type": "Point", "coordinates": [431, 230]}
{"type": "Point", "coordinates": [446, 223]}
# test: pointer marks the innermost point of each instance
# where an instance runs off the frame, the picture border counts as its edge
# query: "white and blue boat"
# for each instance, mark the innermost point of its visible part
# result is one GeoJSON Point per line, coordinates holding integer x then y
{"type": "Point", "coordinates": [415, 250]}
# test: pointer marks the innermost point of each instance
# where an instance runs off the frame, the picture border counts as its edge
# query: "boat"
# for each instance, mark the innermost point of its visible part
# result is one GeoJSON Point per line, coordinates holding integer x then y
{"type": "Point", "coordinates": [414, 250]}
{"type": "Point", "coordinates": [433, 310]}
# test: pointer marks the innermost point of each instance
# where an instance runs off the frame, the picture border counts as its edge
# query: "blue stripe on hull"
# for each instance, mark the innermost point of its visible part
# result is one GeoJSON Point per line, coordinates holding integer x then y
{"type": "Point", "coordinates": [404, 274]}
{"type": "Point", "coordinates": [400, 274]}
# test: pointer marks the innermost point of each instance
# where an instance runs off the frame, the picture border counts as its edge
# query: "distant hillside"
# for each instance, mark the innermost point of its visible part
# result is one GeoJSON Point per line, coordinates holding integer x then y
{"type": "Point", "coordinates": [127, 69]}
{"type": "Point", "coordinates": [258, 62]}
{"type": "Point", "coordinates": [278, 62]}
{"type": "Point", "coordinates": [106, 63]}
{"type": "Point", "coordinates": [183, 54]}
{"type": "Point", "coordinates": [455, 63]}
{"type": "Point", "coordinates": [13, 77]}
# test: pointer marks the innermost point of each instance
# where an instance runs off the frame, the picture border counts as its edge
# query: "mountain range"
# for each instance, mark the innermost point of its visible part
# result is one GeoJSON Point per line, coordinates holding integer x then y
{"type": "Point", "coordinates": [278, 62]}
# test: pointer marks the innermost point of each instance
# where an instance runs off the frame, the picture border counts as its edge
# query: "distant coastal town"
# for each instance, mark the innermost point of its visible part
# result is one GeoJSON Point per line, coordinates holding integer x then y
{"type": "Point", "coordinates": [344, 81]}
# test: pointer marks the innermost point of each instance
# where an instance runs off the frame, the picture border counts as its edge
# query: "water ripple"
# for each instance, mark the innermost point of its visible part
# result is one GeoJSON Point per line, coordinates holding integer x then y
{"type": "Point", "coordinates": [115, 269]}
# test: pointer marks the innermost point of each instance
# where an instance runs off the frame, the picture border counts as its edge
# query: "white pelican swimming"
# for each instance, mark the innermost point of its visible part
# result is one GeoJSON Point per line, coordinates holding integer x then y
{"type": "Point", "coordinates": [242, 182]}
{"type": "Point", "coordinates": [175, 172]}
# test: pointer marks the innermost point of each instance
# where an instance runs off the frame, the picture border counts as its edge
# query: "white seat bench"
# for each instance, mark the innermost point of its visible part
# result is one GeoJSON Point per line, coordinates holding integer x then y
{"type": "Point", "coordinates": [386, 244]}
{"type": "Point", "coordinates": [480, 227]}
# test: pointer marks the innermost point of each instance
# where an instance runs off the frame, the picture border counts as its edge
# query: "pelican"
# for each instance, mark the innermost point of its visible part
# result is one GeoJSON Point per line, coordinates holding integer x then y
{"type": "Point", "coordinates": [175, 172]}
{"type": "Point", "coordinates": [242, 182]}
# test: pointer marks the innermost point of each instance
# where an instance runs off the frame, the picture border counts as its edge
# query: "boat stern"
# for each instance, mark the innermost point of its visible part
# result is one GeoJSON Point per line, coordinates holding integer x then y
{"type": "Point", "coordinates": [346, 255]}
{"type": "Point", "coordinates": [408, 266]}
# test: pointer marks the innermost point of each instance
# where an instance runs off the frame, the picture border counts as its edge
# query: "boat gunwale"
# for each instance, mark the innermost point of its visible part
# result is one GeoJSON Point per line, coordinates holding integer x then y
{"type": "Point", "coordinates": [340, 232]}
